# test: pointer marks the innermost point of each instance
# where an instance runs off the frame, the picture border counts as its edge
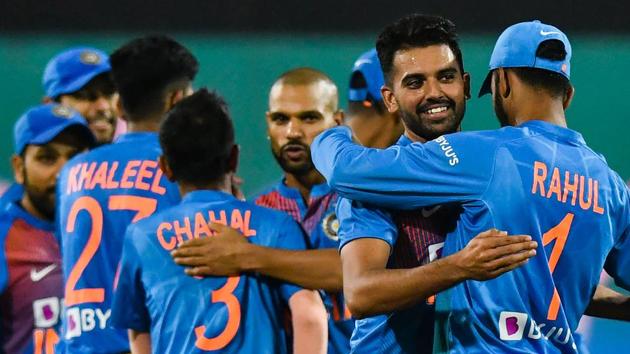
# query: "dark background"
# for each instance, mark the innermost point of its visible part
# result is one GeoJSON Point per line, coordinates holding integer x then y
{"type": "Point", "coordinates": [303, 16]}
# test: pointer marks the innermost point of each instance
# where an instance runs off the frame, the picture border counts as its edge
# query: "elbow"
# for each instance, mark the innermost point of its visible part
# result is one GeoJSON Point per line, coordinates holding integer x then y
{"type": "Point", "coordinates": [311, 317]}
{"type": "Point", "coordinates": [359, 301]}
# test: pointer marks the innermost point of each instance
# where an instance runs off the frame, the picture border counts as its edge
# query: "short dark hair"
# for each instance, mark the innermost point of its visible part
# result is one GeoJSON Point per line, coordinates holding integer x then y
{"type": "Point", "coordinates": [145, 68]}
{"type": "Point", "coordinates": [554, 83]}
{"type": "Point", "coordinates": [197, 138]}
{"type": "Point", "coordinates": [413, 31]}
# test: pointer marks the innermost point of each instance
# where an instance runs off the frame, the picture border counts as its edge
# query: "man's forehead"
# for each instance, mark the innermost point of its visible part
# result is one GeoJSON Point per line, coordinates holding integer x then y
{"type": "Point", "coordinates": [299, 98]}
{"type": "Point", "coordinates": [424, 59]}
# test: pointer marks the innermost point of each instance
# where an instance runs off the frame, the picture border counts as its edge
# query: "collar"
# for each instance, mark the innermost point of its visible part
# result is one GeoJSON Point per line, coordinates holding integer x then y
{"type": "Point", "coordinates": [16, 210]}
{"type": "Point", "coordinates": [137, 136]}
{"type": "Point", "coordinates": [564, 134]}
{"type": "Point", "coordinates": [207, 196]}
{"type": "Point", "coordinates": [403, 140]}
{"type": "Point", "coordinates": [317, 191]}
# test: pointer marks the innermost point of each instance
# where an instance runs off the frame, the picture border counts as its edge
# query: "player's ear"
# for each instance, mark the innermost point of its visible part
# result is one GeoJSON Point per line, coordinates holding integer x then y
{"type": "Point", "coordinates": [233, 160]}
{"type": "Point", "coordinates": [389, 100]}
{"type": "Point", "coordinates": [17, 162]}
{"type": "Point", "coordinates": [166, 169]}
{"type": "Point", "coordinates": [568, 97]}
{"type": "Point", "coordinates": [503, 82]}
{"type": "Point", "coordinates": [339, 117]}
{"type": "Point", "coordinates": [119, 108]}
{"type": "Point", "coordinates": [466, 77]}
{"type": "Point", "coordinates": [46, 100]}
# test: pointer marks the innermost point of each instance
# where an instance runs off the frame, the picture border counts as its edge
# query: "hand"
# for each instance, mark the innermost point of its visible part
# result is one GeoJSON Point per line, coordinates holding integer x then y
{"type": "Point", "coordinates": [218, 255]}
{"type": "Point", "coordinates": [492, 253]}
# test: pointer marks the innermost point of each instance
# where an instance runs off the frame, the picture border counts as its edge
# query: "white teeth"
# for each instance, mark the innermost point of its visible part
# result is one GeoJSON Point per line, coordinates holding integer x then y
{"type": "Point", "coordinates": [437, 110]}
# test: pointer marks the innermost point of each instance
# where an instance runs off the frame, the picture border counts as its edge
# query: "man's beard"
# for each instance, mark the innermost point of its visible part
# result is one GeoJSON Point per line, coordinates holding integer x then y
{"type": "Point", "coordinates": [414, 122]}
{"type": "Point", "coordinates": [298, 169]}
{"type": "Point", "coordinates": [40, 199]}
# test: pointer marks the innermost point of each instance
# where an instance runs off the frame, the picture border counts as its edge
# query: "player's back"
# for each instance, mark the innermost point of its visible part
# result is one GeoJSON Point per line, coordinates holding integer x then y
{"type": "Point", "coordinates": [240, 314]}
{"type": "Point", "coordinates": [545, 182]}
{"type": "Point", "coordinates": [100, 193]}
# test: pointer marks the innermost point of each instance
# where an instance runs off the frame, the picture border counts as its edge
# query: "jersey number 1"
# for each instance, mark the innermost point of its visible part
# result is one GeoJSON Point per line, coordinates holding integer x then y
{"type": "Point", "coordinates": [560, 233]}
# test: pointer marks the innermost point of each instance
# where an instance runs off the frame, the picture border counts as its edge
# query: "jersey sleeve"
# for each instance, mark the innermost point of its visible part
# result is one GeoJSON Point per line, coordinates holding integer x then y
{"type": "Point", "coordinates": [618, 261]}
{"type": "Point", "coordinates": [290, 236]}
{"type": "Point", "coordinates": [129, 309]}
{"type": "Point", "coordinates": [451, 168]}
{"type": "Point", "coordinates": [358, 220]}
{"type": "Point", "coordinates": [5, 224]}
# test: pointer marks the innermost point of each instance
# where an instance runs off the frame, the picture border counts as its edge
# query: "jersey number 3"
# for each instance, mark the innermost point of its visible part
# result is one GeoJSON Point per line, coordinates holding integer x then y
{"type": "Point", "coordinates": [560, 233]}
{"type": "Point", "coordinates": [225, 294]}
{"type": "Point", "coordinates": [142, 206]}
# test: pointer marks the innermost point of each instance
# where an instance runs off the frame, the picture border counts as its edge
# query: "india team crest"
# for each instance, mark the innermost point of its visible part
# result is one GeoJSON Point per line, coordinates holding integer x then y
{"type": "Point", "coordinates": [330, 225]}
{"type": "Point", "coordinates": [90, 58]}
{"type": "Point", "coordinates": [62, 111]}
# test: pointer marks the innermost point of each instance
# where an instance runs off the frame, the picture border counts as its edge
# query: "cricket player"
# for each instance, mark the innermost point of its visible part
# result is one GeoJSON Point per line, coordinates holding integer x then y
{"type": "Point", "coordinates": [237, 314]}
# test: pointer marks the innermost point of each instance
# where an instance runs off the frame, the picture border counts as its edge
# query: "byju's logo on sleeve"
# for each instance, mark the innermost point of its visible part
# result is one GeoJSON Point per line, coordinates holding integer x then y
{"type": "Point", "coordinates": [512, 325]}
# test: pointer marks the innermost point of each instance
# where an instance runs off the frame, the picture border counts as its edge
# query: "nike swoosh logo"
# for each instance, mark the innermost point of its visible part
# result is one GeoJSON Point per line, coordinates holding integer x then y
{"type": "Point", "coordinates": [548, 33]}
{"type": "Point", "coordinates": [37, 275]}
{"type": "Point", "coordinates": [428, 212]}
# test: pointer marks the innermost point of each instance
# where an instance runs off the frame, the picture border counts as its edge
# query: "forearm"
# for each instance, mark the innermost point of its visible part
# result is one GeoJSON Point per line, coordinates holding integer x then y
{"type": "Point", "coordinates": [139, 342]}
{"type": "Point", "coordinates": [385, 290]}
{"type": "Point", "coordinates": [607, 303]}
{"type": "Point", "coordinates": [312, 269]}
{"type": "Point", "coordinates": [310, 327]}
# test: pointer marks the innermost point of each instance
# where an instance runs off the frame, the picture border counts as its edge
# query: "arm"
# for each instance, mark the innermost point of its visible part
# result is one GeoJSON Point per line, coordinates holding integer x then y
{"type": "Point", "coordinates": [372, 289]}
{"type": "Point", "coordinates": [229, 253]}
{"type": "Point", "coordinates": [139, 342]}
{"type": "Point", "coordinates": [404, 177]}
{"type": "Point", "coordinates": [308, 316]}
{"type": "Point", "coordinates": [607, 303]}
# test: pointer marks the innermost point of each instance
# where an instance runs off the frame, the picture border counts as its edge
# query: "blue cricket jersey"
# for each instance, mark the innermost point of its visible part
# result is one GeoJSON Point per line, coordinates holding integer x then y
{"type": "Point", "coordinates": [537, 179]}
{"type": "Point", "coordinates": [416, 237]}
{"type": "Point", "coordinates": [320, 222]}
{"type": "Point", "coordinates": [240, 314]}
{"type": "Point", "coordinates": [99, 194]}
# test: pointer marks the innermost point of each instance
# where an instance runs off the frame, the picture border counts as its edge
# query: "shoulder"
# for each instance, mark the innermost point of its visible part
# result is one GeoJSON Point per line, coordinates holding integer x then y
{"type": "Point", "coordinates": [267, 197]}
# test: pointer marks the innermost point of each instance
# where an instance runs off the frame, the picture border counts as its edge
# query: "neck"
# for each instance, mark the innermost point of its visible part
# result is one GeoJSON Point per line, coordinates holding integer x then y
{"type": "Point", "coordinates": [30, 208]}
{"type": "Point", "coordinates": [304, 183]}
{"type": "Point", "coordinates": [414, 137]}
{"type": "Point", "coordinates": [145, 125]}
{"type": "Point", "coordinates": [222, 185]}
{"type": "Point", "coordinates": [536, 106]}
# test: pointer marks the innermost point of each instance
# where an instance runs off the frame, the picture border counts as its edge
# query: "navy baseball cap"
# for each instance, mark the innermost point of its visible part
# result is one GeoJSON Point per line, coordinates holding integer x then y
{"type": "Point", "coordinates": [72, 69]}
{"type": "Point", "coordinates": [368, 67]}
{"type": "Point", "coordinates": [517, 46]}
{"type": "Point", "coordinates": [43, 123]}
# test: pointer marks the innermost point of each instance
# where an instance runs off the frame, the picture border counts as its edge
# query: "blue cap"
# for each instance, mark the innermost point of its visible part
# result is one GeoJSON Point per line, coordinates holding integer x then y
{"type": "Point", "coordinates": [517, 46]}
{"type": "Point", "coordinates": [72, 69]}
{"type": "Point", "coordinates": [41, 124]}
{"type": "Point", "coordinates": [369, 89]}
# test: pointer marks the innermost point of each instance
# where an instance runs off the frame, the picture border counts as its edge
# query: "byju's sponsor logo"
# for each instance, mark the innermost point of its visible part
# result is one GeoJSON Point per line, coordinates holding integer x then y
{"type": "Point", "coordinates": [514, 326]}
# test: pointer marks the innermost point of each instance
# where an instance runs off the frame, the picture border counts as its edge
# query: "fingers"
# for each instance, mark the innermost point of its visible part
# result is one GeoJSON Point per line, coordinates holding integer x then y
{"type": "Point", "coordinates": [216, 227]}
{"type": "Point", "coordinates": [188, 250]}
{"type": "Point", "coordinates": [190, 261]}
{"type": "Point", "coordinates": [491, 233]}
{"type": "Point", "coordinates": [198, 271]}
{"type": "Point", "coordinates": [508, 268]}
{"type": "Point", "coordinates": [512, 248]}
{"type": "Point", "coordinates": [511, 259]}
{"type": "Point", "coordinates": [494, 242]}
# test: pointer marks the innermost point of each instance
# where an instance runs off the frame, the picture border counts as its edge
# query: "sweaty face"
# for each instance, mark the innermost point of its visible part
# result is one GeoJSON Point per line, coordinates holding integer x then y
{"type": "Point", "coordinates": [40, 165]}
{"type": "Point", "coordinates": [96, 102]}
{"type": "Point", "coordinates": [297, 114]}
{"type": "Point", "coordinates": [429, 90]}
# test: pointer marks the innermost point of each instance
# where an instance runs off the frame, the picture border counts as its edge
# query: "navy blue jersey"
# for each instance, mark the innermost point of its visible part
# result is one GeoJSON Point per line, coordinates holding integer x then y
{"type": "Point", "coordinates": [537, 179]}
{"type": "Point", "coordinates": [320, 222]}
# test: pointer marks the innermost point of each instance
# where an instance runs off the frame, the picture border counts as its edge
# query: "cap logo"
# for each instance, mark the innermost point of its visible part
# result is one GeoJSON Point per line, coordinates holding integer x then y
{"type": "Point", "coordinates": [90, 58]}
{"type": "Point", "coordinates": [543, 33]}
{"type": "Point", "coordinates": [62, 112]}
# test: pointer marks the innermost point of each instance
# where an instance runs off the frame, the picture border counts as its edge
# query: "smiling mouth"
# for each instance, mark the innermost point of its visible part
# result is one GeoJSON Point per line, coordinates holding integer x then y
{"type": "Point", "coordinates": [437, 112]}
